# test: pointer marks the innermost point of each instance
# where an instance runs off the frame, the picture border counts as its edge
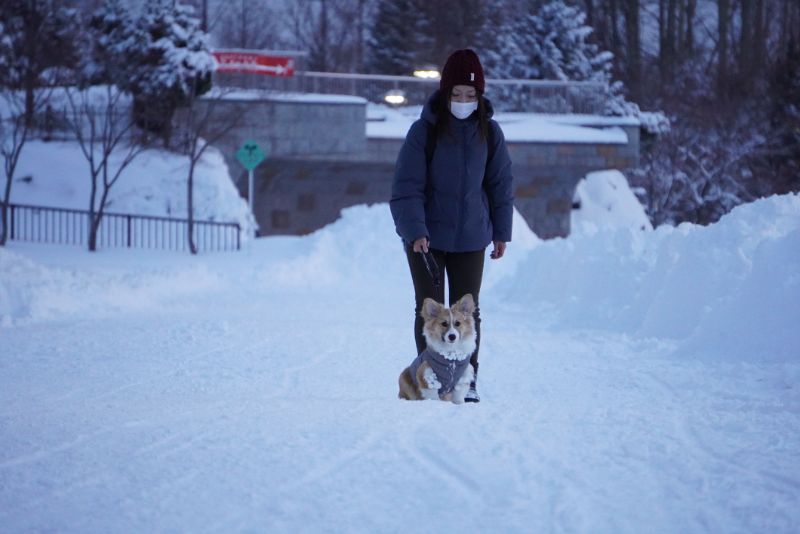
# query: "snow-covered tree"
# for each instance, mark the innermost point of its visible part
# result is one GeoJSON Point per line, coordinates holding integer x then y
{"type": "Point", "coordinates": [408, 34]}
{"type": "Point", "coordinates": [103, 128]}
{"type": "Point", "coordinates": [558, 48]}
{"type": "Point", "coordinates": [110, 40]}
{"type": "Point", "coordinates": [531, 41]}
{"type": "Point", "coordinates": [19, 103]}
{"type": "Point", "coordinates": [697, 174]}
{"type": "Point", "coordinates": [99, 108]}
{"type": "Point", "coordinates": [12, 129]}
{"type": "Point", "coordinates": [201, 123]}
{"type": "Point", "coordinates": [394, 42]}
{"type": "Point", "coordinates": [6, 49]}
{"type": "Point", "coordinates": [41, 35]}
{"type": "Point", "coordinates": [552, 42]}
{"type": "Point", "coordinates": [172, 63]}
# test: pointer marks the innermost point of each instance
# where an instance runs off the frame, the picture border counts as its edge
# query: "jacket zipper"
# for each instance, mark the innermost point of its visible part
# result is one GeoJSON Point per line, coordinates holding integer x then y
{"type": "Point", "coordinates": [462, 176]}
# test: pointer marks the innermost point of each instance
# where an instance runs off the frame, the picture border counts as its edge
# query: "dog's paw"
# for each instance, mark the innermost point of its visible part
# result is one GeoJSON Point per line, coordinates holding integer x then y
{"type": "Point", "coordinates": [430, 394]}
{"type": "Point", "coordinates": [459, 393]}
{"type": "Point", "coordinates": [467, 377]}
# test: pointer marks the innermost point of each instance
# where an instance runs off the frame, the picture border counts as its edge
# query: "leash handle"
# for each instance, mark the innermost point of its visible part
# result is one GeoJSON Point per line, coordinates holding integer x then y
{"type": "Point", "coordinates": [432, 267]}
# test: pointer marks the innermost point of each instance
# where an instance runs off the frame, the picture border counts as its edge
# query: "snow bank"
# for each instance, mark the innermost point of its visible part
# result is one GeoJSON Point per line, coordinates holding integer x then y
{"type": "Point", "coordinates": [607, 202]}
{"type": "Point", "coordinates": [729, 290]}
{"type": "Point", "coordinates": [33, 292]}
{"type": "Point", "coordinates": [360, 248]}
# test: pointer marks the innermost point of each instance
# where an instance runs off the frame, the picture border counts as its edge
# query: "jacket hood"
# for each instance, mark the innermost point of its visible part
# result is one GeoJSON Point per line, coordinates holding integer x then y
{"type": "Point", "coordinates": [429, 114]}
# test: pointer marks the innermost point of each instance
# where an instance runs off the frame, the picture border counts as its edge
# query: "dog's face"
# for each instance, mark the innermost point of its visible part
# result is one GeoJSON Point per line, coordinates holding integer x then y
{"type": "Point", "coordinates": [450, 330]}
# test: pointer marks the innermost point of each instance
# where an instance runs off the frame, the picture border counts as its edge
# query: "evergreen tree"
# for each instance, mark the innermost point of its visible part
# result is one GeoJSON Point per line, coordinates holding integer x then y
{"type": "Point", "coordinates": [173, 63]}
{"type": "Point", "coordinates": [495, 42]}
{"type": "Point", "coordinates": [112, 43]}
{"type": "Point", "coordinates": [41, 36]}
{"type": "Point", "coordinates": [554, 45]}
{"type": "Point", "coordinates": [549, 42]}
{"type": "Point", "coordinates": [393, 45]}
{"type": "Point", "coordinates": [6, 54]}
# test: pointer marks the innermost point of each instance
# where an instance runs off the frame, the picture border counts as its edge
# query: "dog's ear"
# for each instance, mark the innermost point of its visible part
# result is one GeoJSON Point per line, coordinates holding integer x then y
{"type": "Point", "coordinates": [430, 309]}
{"type": "Point", "coordinates": [465, 305]}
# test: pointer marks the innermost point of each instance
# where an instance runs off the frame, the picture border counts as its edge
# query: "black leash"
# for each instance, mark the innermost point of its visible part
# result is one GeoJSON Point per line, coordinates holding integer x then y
{"type": "Point", "coordinates": [433, 268]}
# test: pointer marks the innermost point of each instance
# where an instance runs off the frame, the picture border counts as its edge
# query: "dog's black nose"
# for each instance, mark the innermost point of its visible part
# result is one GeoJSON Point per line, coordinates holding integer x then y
{"type": "Point", "coordinates": [451, 337]}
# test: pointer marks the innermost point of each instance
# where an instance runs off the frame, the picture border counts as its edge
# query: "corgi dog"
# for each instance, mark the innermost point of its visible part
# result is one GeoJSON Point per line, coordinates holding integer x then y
{"type": "Point", "coordinates": [442, 371]}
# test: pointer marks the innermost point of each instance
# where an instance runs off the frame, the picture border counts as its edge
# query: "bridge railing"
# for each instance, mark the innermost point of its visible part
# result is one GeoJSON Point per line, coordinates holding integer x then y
{"type": "Point", "coordinates": [540, 96]}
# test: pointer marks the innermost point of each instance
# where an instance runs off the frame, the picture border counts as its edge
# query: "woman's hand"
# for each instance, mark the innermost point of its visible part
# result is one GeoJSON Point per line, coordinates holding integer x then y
{"type": "Point", "coordinates": [499, 250]}
{"type": "Point", "coordinates": [421, 244]}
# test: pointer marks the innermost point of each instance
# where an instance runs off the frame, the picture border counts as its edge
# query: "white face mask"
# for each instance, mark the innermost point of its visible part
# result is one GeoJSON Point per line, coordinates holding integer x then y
{"type": "Point", "coordinates": [462, 110]}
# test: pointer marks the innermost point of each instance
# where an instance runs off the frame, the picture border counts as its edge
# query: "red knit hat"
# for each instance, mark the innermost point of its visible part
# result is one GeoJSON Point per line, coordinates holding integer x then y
{"type": "Point", "coordinates": [462, 68]}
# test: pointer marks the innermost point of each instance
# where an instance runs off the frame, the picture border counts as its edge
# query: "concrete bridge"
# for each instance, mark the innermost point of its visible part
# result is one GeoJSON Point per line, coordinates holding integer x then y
{"type": "Point", "coordinates": [327, 153]}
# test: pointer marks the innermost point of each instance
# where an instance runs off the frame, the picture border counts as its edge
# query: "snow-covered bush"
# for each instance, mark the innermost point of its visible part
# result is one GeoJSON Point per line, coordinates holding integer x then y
{"type": "Point", "coordinates": [697, 173]}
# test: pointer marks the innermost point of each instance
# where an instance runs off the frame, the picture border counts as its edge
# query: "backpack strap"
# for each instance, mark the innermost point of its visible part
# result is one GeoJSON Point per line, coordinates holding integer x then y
{"type": "Point", "coordinates": [430, 143]}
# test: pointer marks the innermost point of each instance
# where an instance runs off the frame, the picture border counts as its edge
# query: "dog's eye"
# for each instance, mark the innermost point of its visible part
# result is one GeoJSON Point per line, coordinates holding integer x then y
{"type": "Point", "coordinates": [458, 323]}
{"type": "Point", "coordinates": [444, 324]}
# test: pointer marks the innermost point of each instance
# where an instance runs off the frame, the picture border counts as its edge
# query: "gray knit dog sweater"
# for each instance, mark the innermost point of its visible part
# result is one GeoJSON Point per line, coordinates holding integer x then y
{"type": "Point", "coordinates": [448, 372]}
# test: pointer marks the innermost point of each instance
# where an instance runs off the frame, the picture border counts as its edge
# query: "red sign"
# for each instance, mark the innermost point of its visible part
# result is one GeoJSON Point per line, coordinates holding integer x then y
{"type": "Point", "coordinates": [248, 62]}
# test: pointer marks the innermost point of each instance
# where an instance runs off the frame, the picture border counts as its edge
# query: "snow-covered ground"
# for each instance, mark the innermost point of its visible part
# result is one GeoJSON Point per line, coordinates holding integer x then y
{"type": "Point", "coordinates": [632, 381]}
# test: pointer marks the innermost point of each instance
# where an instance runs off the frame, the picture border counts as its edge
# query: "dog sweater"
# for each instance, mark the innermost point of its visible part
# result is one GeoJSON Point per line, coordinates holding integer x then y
{"type": "Point", "coordinates": [448, 372]}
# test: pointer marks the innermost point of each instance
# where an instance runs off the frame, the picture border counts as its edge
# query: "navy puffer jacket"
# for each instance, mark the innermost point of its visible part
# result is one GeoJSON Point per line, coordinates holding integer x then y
{"type": "Point", "coordinates": [464, 204]}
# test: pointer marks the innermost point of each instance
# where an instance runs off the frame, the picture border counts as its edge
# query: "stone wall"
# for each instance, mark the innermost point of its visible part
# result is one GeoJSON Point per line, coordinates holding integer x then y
{"type": "Point", "coordinates": [298, 196]}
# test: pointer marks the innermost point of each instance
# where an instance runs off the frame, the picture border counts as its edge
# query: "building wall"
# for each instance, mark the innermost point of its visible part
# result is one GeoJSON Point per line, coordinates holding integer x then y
{"type": "Point", "coordinates": [320, 161]}
{"type": "Point", "coordinates": [284, 127]}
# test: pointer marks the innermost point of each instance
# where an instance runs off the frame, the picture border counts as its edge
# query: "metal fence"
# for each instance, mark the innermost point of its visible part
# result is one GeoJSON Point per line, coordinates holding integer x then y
{"type": "Point", "coordinates": [540, 96]}
{"type": "Point", "coordinates": [71, 227]}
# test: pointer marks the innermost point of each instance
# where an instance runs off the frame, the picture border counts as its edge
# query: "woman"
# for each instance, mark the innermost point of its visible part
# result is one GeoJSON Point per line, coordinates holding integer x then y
{"type": "Point", "coordinates": [452, 192]}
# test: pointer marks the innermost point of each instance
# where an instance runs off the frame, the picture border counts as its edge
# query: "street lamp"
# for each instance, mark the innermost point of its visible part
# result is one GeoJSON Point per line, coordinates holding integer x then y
{"type": "Point", "coordinates": [395, 97]}
{"type": "Point", "coordinates": [428, 72]}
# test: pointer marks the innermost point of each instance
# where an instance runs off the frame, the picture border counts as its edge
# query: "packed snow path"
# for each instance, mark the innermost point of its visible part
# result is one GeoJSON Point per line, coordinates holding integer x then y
{"type": "Point", "coordinates": [259, 397]}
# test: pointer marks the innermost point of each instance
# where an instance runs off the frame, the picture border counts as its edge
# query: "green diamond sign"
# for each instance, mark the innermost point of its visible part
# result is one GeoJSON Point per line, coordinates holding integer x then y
{"type": "Point", "coordinates": [250, 155]}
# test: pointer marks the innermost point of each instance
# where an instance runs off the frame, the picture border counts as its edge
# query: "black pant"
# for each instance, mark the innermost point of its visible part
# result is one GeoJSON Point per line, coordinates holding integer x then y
{"type": "Point", "coordinates": [464, 272]}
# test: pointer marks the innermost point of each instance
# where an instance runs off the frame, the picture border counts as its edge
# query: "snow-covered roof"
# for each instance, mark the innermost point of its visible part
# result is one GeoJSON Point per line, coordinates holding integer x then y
{"type": "Point", "coordinates": [384, 122]}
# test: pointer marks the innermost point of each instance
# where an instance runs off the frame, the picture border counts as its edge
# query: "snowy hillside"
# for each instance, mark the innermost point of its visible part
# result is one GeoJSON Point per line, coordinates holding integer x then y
{"type": "Point", "coordinates": [631, 381]}
{"type": "Point", "coordinates": [56, 174]}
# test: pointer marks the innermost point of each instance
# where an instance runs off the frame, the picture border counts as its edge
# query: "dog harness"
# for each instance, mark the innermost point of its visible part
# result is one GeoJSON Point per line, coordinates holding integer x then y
{"type": "Point", "coordinates": [448, 371]}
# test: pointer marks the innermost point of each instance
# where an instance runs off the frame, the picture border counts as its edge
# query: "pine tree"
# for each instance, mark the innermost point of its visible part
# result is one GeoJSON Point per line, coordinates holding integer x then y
{"type": "Point", "coordinates": [549, 42]}
{"type": "Point", "coordinates": [395, 37]}
{"type": "Point", "coordinates": [41, 34]}
{"type": "Point", "coordinates": [6, 55]}
{"type": "Point", "coordinates": [112, 43]}
{"type": "Point", "coordinates": [495, 44]}
{"type": "Point", "coordinates": [555, 41]}
{"type": "Point", "coordinates": [173, 63]}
